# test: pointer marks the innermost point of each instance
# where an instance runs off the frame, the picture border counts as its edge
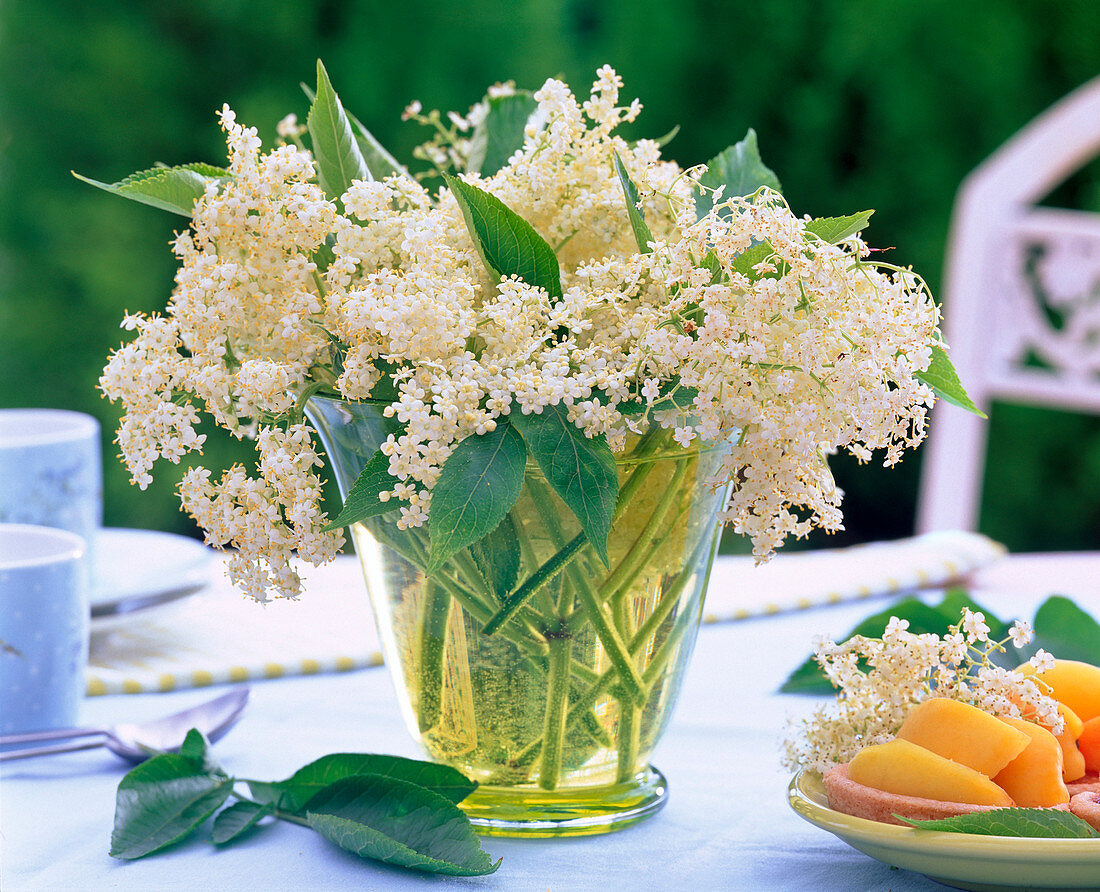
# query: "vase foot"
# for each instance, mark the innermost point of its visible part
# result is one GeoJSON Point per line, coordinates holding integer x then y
{"type": "Point", "coordinates": [585, 811]}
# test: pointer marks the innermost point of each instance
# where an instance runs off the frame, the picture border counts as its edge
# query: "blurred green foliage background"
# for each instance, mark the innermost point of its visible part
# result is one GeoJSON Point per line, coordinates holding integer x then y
{"type": "Point", "coordinates": [883, 104]}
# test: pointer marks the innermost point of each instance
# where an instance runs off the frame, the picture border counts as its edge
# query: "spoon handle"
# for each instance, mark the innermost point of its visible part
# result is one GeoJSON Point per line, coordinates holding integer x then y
{"type": "Point", "coordinates": [30, 751]}
{"type": "Point", "coordinates": [55, 734]}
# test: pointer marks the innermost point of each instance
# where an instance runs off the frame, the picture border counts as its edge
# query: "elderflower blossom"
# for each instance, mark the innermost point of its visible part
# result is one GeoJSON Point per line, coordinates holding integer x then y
{"type": "Point", "coordinates": [805, 351]}
{"type": "Point", "coordinates": [880, 680]}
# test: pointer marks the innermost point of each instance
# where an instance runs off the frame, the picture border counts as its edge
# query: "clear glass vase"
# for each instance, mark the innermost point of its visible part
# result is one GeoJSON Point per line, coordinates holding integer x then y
{"type": "Point", "coordinates": [556, 712]}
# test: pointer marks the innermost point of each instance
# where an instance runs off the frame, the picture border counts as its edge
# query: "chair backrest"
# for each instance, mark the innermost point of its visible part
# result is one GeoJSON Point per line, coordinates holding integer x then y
{"type": "Point", "coordinates": [1021, 296]}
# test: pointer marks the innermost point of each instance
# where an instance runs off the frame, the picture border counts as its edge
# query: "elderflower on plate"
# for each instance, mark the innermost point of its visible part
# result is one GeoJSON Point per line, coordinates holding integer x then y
{"type": "Point", "coordinates": [787, 342]}
{"type": "Point", "coordinates": [880, 680]}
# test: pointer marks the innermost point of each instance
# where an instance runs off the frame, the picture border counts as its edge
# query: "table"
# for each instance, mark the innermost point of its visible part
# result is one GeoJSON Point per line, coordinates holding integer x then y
{"type": "Point", "coordinates": [727, 824]}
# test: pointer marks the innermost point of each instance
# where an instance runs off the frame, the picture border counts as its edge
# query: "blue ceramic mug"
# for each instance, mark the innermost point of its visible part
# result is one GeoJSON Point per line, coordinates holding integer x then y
{"type": "Point", "coordinates": [43, 628]}
{"type": "Point", "coordinates": [51, 472]}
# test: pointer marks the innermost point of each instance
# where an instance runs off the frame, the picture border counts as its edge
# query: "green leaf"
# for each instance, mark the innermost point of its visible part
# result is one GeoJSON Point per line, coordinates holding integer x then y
{"type": "Point", "coordinates": [399, 823]}
{"type": "Point", "coordinates": [174, 189]}
{"type": "Point", "coordinates": [1033, 823]}
{"type": "Point", "coordinates": [295, 793]}
{"type": "Point", "coordinates": [642, 234]}
{"type": "Point", "coordinates": [363, 497]}
{"type": "Point", "coordinates": [498, 557]}
{"type": "Point", "coordinates": [196, 747]}
{"type": "Point", "coordinates": [508, 244]}
{"type": "Point", "coordinates": [163, 800]}
{"type": "Point", "coordinates": [234, 822]}
{"type": "Point", "coordinates": [740, 169]}
{"type": "Point", "coordinates": [671, 395]}
{"type": "Point", "coordinates": [923, 619]}
{"type": "Point", "coordinates": [944, 380]}
{"type": "Point", "coordinates": [335, 149]}
{"type": "Point", "coordinates": [745, 261]}
{"type": "Point", "coordinates": [477, 486]}
{"type": "Point", "coordinates": [379, 162]}
{"type": "Point", "coordinates": [580, 469]}
{"type": "Point", "coordinates": [1063, 628]}
{"type": "Point", "coordinates": [501, 132]}
{"type": "Point", "coordinates": [835, 229]}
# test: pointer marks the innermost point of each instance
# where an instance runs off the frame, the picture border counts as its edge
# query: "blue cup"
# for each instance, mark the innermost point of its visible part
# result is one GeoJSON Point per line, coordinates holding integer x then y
{"type": "Point", "coordinates": [43, 628]}
{"type": "Point", "coordinates": [51, 472]}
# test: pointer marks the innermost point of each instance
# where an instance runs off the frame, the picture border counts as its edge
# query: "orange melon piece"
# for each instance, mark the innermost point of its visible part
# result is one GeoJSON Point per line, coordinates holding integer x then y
{"type": "Point", "coordinates": [964, 734]}
{"type": "Point", "coordinates": [1073, 762]}
{"type": "Point", "coordinates": [1073, 683]}
{"type": "Point", "coordinates": [1089, 744]}
{"type": "Point", "coordinates": [902, 767]}
{"type": "Point", "coordinates": [1034, 778]}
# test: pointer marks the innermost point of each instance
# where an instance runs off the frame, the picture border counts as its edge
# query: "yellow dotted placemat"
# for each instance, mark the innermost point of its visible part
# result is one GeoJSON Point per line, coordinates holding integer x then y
{"type": "Point", "coordinates": [800, 580]}
{"type": "Point", "coordinates": [219, 636]}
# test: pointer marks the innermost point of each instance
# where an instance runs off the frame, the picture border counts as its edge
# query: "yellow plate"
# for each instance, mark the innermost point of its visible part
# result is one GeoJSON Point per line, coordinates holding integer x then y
{"type": "Point", "coordinates": [962, 860]}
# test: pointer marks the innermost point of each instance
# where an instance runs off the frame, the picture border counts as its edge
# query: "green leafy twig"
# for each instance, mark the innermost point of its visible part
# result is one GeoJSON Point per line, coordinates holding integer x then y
{"type": "Point", "coordinates": [400, 811]}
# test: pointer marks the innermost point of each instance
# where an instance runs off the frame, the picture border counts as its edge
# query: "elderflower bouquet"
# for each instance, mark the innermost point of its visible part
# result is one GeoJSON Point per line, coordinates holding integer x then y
{"type": "Point", "coordinates": [880, 680]}
{"type": "Point", "coordinates": [542, 371]}
{"type": "Point", "coordinates": [555, 266]}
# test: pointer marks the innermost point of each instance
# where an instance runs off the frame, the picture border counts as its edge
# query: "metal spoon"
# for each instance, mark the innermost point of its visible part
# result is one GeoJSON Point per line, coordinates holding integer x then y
{"type": "Point", "coordinates": [134, 742]}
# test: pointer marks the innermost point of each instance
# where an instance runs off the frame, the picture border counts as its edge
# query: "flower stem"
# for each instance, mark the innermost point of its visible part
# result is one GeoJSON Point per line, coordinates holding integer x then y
{"type": "Point", "coordinates": [557, 699]}
{"type": "Point", "coordinates": [534, 582]}
{"type": "Point", "coordinates": [626, 738]}
{"type": "Point", "coordinates": [432, 627]}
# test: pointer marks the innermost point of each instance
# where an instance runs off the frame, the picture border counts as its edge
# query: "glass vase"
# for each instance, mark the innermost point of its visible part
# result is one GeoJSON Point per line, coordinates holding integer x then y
{"type": "Point", "coordinates": [556, 712]}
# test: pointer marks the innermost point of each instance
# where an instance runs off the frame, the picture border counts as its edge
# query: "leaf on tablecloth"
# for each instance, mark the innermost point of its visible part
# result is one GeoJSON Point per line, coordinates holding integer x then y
{"type": "Point", "coordinates": [400, 823]}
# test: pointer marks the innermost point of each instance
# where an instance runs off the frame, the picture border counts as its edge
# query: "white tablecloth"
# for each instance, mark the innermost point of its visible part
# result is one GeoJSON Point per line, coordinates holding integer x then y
{"type": "Point", "coordinates": [727, 824]}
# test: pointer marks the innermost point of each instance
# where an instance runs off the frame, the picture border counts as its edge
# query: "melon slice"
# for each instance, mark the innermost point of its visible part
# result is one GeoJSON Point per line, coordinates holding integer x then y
{"type": "Point", "coordinates": [964, 734]}
{"type": "Point", "coordinates": [907, 769]}
{"type": "Point", "coordinates": [1073, 683]}
{"type": "Point", "coordinates": [1034, 778]}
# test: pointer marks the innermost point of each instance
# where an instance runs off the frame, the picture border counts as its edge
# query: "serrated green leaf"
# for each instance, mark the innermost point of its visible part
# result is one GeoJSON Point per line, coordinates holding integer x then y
{"type": "Point", "coordinates": [923, 619]}
{"type": "Point", "coordinates": [379, 162]}
{"type": "Point", "coordinates": [1032, 823]}
{"type": "Point", "coordinates": [944, 380]}
{"type": "Point", "coordinates": [400, 823]}
{"type": "Point", "coordinates": [671, 395]}
{"type": "Point", "coordinates": [740, 169]}
{"type": "Point", "coordinates": [745, 261]}
{"type": "Point", "coordinates": [501, 132]}
{"type": "Point", "coordinates": [234, 822]}
{"type": "Point", "coordinates": [210, 171]}
{"type": "Point", "coordinates": [497, 556]}
{"type": "Point", "coordinates": [363, 498]}
{"type": "Point", "coordinates": [295, 793]}
{"type": "Point", "coordinates": [508, 244]}
{"type": "Point", "coordinates": [1063, 628]}
{"type": "Point", "coordinates": [642, 234]}
{"type": "Point", "coordinates": [580, 469]}
{"type": "Point", "coordinates": [163, 800]}
{"type": "Point", "coordinates": [174, 189]}
{"type": "Point", "coordinates": [835, 229]}
{"type": "Point", "coordinates": [336, 152]}
{"type": "Point", "coordinates": [477, 486]}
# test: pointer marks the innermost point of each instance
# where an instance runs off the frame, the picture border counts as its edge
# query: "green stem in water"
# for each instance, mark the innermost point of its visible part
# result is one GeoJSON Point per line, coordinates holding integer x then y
{"type": "Point", "coordinates": [626, 738]}
{"type": "Point", "coordinates": [533, 583]}
{"type": "Point", "coordinates": [587, 700]}
{"type": "Point", "coordinates": [432, 628]}
{"type": "Point", "coordinates": [557, 700]}
{"type": "Point", "coordinates": [613, 645]}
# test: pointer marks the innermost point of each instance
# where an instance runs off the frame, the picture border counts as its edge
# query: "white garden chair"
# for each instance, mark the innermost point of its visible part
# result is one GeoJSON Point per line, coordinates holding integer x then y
{"type": "Point", "coordinates": [1022, 299]}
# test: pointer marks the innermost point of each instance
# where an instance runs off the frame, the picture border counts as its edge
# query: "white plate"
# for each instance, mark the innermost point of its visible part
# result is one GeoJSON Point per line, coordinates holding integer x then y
{"type": "Point", "coordinates": [135, 569]}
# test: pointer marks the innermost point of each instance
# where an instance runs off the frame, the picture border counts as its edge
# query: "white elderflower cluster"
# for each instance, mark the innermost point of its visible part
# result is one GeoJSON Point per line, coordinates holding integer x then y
{"type": "Point", "coordinates": [880, 680]}
{"type": "Point", "coordinates": [806, 350]}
